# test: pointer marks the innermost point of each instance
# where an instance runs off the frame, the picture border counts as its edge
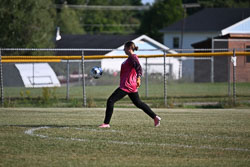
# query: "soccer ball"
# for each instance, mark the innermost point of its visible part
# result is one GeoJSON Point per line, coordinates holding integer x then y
{"type": "Point", "coordinates": [96, 72]}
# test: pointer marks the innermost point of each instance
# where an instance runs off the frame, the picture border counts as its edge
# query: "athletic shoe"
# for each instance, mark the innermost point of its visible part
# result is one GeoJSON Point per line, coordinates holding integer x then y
{"type": "Point", "coordinates": [104, 126]}
{"type": "Point", "coordinates": [157, 121]}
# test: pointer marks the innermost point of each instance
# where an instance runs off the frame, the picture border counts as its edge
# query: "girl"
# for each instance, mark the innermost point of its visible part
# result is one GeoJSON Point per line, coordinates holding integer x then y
{"type": "Point", "coordinates": [130, 80]}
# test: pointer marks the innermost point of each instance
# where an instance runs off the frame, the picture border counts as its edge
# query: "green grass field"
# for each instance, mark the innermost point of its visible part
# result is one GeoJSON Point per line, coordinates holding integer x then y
{"type": "Point", "coordinates": [70, 137]}
{"type": "Point", "coordinates": [177, 94]}
{"type": "Point", "coordinates": [154, 90]}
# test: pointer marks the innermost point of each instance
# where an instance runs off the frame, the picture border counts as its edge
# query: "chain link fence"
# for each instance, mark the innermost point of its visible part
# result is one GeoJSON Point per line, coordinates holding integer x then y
{"type": "Point", "coordinates": [61, 77]}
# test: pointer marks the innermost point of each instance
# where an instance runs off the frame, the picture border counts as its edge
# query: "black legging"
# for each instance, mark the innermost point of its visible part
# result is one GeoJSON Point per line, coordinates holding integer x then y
{"type": "Point", "coordinates": [118, 94]}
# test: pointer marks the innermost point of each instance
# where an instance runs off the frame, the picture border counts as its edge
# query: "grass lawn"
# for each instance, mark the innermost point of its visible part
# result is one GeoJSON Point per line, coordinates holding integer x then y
{"type": "Point", "coordinates": [154, 90]}
{"type": "Point", "coordinates": [177, 93]}
{"type": "Point", "coordinates": [70, 137]}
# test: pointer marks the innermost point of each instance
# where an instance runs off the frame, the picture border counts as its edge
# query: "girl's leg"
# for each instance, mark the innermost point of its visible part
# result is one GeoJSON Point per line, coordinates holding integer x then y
{"type": "Point", "coordinates": [116, 95]}
{"type": "Point", "coordinates": [138, 103]}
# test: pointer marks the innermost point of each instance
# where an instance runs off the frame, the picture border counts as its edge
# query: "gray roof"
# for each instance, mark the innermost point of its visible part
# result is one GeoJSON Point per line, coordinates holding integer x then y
{"type": "Point", "coordinates": [210, 19]}
{"type": "Point", "coordinates": [93, 41]}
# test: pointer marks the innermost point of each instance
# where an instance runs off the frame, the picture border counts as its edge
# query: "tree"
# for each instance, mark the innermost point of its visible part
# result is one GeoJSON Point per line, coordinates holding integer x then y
{"type": "Point", "coordinates": [110, 21]}
{"type": "Point", "coordinates": [69, 21]}
{"type": "Point", "coordinates": [224, 3]}
{"type": "Point", "coordinates": [103, 21]}
{"type": "Point", "coordinates": [161, 14]}
{"type": "Point", "coordinates": [27, 23]}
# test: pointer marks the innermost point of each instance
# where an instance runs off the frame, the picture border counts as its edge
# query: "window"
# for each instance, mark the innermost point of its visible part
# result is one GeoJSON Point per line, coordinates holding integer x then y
{"type": "Point", "coordinates": [176, 42]}
{"type": "Point", "coordinates": [248, 57]}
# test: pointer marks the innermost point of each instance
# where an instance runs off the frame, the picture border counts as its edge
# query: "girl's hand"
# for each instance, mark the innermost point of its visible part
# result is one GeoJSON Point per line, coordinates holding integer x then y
{"type": "Point", "coordinates": [138, 81]}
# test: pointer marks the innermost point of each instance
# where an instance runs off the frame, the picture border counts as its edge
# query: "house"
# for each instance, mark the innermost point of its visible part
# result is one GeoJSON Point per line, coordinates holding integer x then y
{"type": "Point", "coordinates": [207, 23]}
{"type": "Point", "coordinates": [154, 65]}
{"type": "Point", "coordinates": [29, 75]}
{"type": "Point", "coordinates": [116, 42]}
{"type": "Point", "coordinates": [223, 67]}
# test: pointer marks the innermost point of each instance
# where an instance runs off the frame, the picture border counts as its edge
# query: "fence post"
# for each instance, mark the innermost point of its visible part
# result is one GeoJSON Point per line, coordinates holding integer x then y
{"type": "Point", "coordinates": [33, 75]}
{"type": "Point", "coordinates": [67, 93]}
{"type": "Point", "coordinates": [212, 63]}
{"type": "Point", "coordinates": [234, 77]}
{"type": "Point", "coordinates": [165, 81]}
{"type": "Point", "coordinates": [83, 82]}
{"type": "Point", "coordinates": [1, 79]}
{"type": "Point", "coordinates": [212, 69]}
{"type": "Point", "coordinates": [229, 77]}
{"type": "Point", "coordinates": [79, 72]}
{"type": "Point", "coordinates": [146, 78]}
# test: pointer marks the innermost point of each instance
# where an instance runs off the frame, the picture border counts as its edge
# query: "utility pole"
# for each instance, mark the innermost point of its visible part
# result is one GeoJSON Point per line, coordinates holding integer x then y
{"type": "Point", "coordinates": [184, 6]}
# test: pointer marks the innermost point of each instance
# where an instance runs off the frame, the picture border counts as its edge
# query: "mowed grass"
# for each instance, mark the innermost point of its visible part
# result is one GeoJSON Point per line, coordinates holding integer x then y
{"type": "Point", "coordinates": [154, 90]}
{"type": "Point", "coordinates": [178, 94]}
{"type": "Point", "coordinates": [71, 137]}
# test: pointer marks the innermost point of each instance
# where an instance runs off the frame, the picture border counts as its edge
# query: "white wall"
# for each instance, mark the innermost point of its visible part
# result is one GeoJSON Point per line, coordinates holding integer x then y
{"type": "Point", "coordinates": [188, 39]}
{"type": "Point", "coordinates": [115, 64]}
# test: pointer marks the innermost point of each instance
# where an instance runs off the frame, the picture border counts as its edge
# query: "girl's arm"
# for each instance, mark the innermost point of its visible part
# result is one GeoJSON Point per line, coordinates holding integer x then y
{"type": "Point", "coordinates": [136, 64]}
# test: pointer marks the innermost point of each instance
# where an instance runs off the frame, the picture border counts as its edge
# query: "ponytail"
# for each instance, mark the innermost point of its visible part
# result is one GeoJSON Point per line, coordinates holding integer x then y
{"type": "Point", "coordinates": [132, 45]}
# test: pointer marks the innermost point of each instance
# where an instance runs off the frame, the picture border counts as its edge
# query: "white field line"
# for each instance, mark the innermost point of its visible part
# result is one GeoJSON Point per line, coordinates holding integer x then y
{"type": "Point", "coordinates": [32, 130]}
{"type": "Point", "coordinates": [199, 136]}
{"type": "Point", "coordinates": [167, 134]}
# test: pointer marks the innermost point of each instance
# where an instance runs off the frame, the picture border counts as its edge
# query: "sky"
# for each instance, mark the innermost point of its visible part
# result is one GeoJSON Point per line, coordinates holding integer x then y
{"type": "Point", "coordinates": [147, 1]}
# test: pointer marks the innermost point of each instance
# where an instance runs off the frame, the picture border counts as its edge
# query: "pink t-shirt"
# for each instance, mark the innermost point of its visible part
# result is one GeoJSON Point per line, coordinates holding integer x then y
{"type": "Point", "coordinates": [130, 70]}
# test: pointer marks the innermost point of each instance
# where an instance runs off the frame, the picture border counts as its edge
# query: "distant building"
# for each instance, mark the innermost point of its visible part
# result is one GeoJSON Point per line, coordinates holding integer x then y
{"type": "Point", "coordinates": [155, 65]}
{"type": "Point", "coordinates": [223, 67]}
{"type": "Point", "coordinates": [207, 23]}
